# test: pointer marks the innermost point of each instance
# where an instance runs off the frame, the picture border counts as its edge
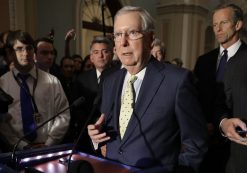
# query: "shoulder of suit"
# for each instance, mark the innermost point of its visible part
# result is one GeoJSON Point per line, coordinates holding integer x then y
{"type": "Point", "coordinates": [165, 69]}
{"type": "Point", "coordinates": [208, 58]}
{"type": "Point", "coordinates": [212, 53]}
{"type": "Point", "coordinates": [240, 56]}
{"type": "Point", "coordinates": [87, 75]}
{"type": "Point", "coordinates": [114, 75]}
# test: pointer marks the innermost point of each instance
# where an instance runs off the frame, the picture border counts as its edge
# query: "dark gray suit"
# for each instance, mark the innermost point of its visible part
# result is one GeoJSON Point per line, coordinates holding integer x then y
{"type": "Point", "coordinates": [166, 115]}
{"type": "Point", "coordinates": [205, 71]}
{"type": "Point", "coordinates": [236, 99]}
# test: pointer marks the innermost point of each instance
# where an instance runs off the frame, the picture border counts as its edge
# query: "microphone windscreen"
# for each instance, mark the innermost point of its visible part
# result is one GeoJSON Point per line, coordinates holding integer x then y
{"type": "Point", "coordinates": [80, 166]}
{"type": "Point", "coordinates": [79, 101]}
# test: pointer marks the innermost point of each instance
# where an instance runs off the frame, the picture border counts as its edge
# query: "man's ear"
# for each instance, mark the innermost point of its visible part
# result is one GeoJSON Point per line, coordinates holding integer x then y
{"type": "Point", "coordinates": [91, 58]}
{"type": "Point", "coordinates": [239, 25]}
{"type": "Point", "coordinates": [34, 57]}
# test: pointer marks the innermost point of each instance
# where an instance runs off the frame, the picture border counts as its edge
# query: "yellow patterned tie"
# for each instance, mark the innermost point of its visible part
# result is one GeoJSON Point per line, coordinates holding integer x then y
{"type": "Point", "coordinates": [127, 105]}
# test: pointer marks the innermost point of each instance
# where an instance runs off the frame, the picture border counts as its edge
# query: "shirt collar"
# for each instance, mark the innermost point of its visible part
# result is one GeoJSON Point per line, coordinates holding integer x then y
{"type": "Point", "coordinates": [139, 75]}
{"type": "Point", "coordinates": [98, 73]}
{"type": "Point", "coordinates": [32, 72]}
{"type": "Point", "coordinates": [232, 49]}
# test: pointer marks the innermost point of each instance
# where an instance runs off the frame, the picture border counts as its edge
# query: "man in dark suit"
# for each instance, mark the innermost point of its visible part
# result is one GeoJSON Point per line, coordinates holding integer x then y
{"type": "Point", "coordinates": [101, 54]}
{"type": "Point", "coordinates": [166, 130]}
{"type": "Point", "coordinates": [227, 22]}
{"type": "Point", "coordinates": [89, 82]}
{"type": "Point", "coordinates": [233, 119]}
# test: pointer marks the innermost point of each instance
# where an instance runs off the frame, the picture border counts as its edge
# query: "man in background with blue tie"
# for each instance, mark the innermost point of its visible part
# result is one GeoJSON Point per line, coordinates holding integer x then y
{"type": "Point", "coordinates": [209, 70]}
{"type": "Point", "coordinates": [151, 116]}
{"type": "Point", "coordinates": [37, 97]}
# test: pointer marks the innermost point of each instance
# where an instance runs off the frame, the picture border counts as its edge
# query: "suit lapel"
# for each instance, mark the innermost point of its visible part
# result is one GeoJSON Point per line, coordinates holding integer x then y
{"type": "Point", "coordinates": [214, 60]}
{"type": "Point", "coordinates": [153, 78]}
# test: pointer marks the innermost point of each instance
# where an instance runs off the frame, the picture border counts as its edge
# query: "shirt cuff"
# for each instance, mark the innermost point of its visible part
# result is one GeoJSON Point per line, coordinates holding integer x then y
{"type": "Point", "coordinates": [221, 131]}
{"type": "Point", "coordinates": [95, 145]}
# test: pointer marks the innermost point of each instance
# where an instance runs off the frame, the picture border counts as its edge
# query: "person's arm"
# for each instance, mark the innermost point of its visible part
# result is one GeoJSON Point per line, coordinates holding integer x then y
{"type": "Point", "coordinates": [224, 104]}
{"type": "Point", "coordinates": [69, 35]}
{"type": "Point", "coordinates": [228, 127]}
{"type": "Point", "coordinates": [95, 133]}
{"type": "Point", "coordinates": [192, 125]}
{"type": "Point", "coordinates": [59, 126]}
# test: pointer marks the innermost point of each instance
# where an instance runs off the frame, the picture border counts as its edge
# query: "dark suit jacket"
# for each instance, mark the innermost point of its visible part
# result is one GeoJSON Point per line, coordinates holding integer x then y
{"type": "Point", "coordinates": [92, 90]}
{"type": "Point", "coordinates": [166, 115]}
{"type": "Point", "coordinates": [236, 95]}
{"type": "Point", "coordinates": [88, 87]}
{"type": "Point", "coordinates": [205, 72]}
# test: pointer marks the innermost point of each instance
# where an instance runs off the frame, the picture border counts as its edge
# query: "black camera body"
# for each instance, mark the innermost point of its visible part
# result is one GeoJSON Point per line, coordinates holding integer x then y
{"type": "Point", "coordinates": [5, 101]}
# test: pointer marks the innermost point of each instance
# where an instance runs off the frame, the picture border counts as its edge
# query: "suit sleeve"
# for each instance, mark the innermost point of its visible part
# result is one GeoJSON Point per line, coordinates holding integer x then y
{"type": "Point", "coordinates": [191, 122]}
{"type": "Point", "coordinates": [61, 123]}
{"type": "Point", "coordinates": [223, 103]}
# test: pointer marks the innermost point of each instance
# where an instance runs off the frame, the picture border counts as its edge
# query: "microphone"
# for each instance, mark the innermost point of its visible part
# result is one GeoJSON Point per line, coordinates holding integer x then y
{"type": "Point", "coordinates": [76, 103]}
{"type": "Point", "coordinates": [5, 100]}
{"type": "Point", "coordinates": [81, 166]}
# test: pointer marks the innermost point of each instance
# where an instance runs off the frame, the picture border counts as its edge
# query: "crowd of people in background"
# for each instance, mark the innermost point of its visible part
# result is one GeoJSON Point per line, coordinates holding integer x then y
{"type": "Point", "coordinates": [51, 87]}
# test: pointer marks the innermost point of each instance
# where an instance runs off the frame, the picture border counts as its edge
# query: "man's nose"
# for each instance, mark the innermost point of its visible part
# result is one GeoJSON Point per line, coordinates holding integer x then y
{"type": "Point", "coordinates": [50, 56]}
{"type": "Point", "coordinates": [25, 52]}
{"type": "Point", "coordinates": [218, 27]}
{"type": "Point", "coordinates": [124, 40]}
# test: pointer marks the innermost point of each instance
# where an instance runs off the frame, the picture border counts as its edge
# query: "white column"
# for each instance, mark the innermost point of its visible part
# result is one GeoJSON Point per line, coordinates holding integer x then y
{"type": "Point", "coordinates": [182, 27]}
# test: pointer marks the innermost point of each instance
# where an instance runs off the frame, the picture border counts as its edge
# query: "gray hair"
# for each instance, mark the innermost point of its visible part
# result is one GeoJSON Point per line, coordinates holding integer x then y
{"type": "Point", "coordinates": [238, 13]}
{"type": "Point", "coordinates": [158, 42]}
{"type": "Point", "coordinates": [102, 39]}
{"type": "Point", "coordinates": [147, 20]}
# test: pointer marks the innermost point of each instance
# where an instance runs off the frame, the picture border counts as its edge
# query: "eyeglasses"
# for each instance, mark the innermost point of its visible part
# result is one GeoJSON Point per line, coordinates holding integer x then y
{"type": "Point", "coordinates": [21, 49]}
{"type": "Point", "coordinates": [131, 35]}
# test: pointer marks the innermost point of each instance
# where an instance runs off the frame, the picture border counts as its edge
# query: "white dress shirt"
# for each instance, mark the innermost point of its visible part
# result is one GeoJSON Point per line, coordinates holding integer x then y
{"type": "Point", "coordinates": [137, 86]}
{"type": "Point", "coordinates": [50, 100]}
{"type": "Point", "coordinates": [231, 51]}
{"type": "Point", "coordinates": [137, 83]}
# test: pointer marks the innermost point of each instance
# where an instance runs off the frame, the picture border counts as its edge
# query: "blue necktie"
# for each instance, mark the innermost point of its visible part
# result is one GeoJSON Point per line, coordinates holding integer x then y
{"type": "Point", "coordinates": [222, 67]}
{"type": "Point", "coordinates": [27, 110]}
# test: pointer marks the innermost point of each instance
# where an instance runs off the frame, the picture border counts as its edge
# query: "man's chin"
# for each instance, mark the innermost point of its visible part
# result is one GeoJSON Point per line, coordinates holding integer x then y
{"type": "Point", "coordinates": [130, 64]}
{"type": "Point", "coordinates": [222, 40]}
{"type": "Point", "coordinates": [25, 64]}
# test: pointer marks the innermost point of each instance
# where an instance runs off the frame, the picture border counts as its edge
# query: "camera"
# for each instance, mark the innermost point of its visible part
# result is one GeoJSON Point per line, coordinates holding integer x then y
{"type": "Point", "coordinates": [242, 133]}
{"type": "Point", "coordinates": [5, 101]}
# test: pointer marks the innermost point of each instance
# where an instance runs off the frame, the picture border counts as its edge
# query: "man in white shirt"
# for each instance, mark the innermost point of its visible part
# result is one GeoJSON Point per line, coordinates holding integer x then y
{"type": "Point", "coordinates": [44, 92]}
{"type": "Point", "coordinates": [227, 23]}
